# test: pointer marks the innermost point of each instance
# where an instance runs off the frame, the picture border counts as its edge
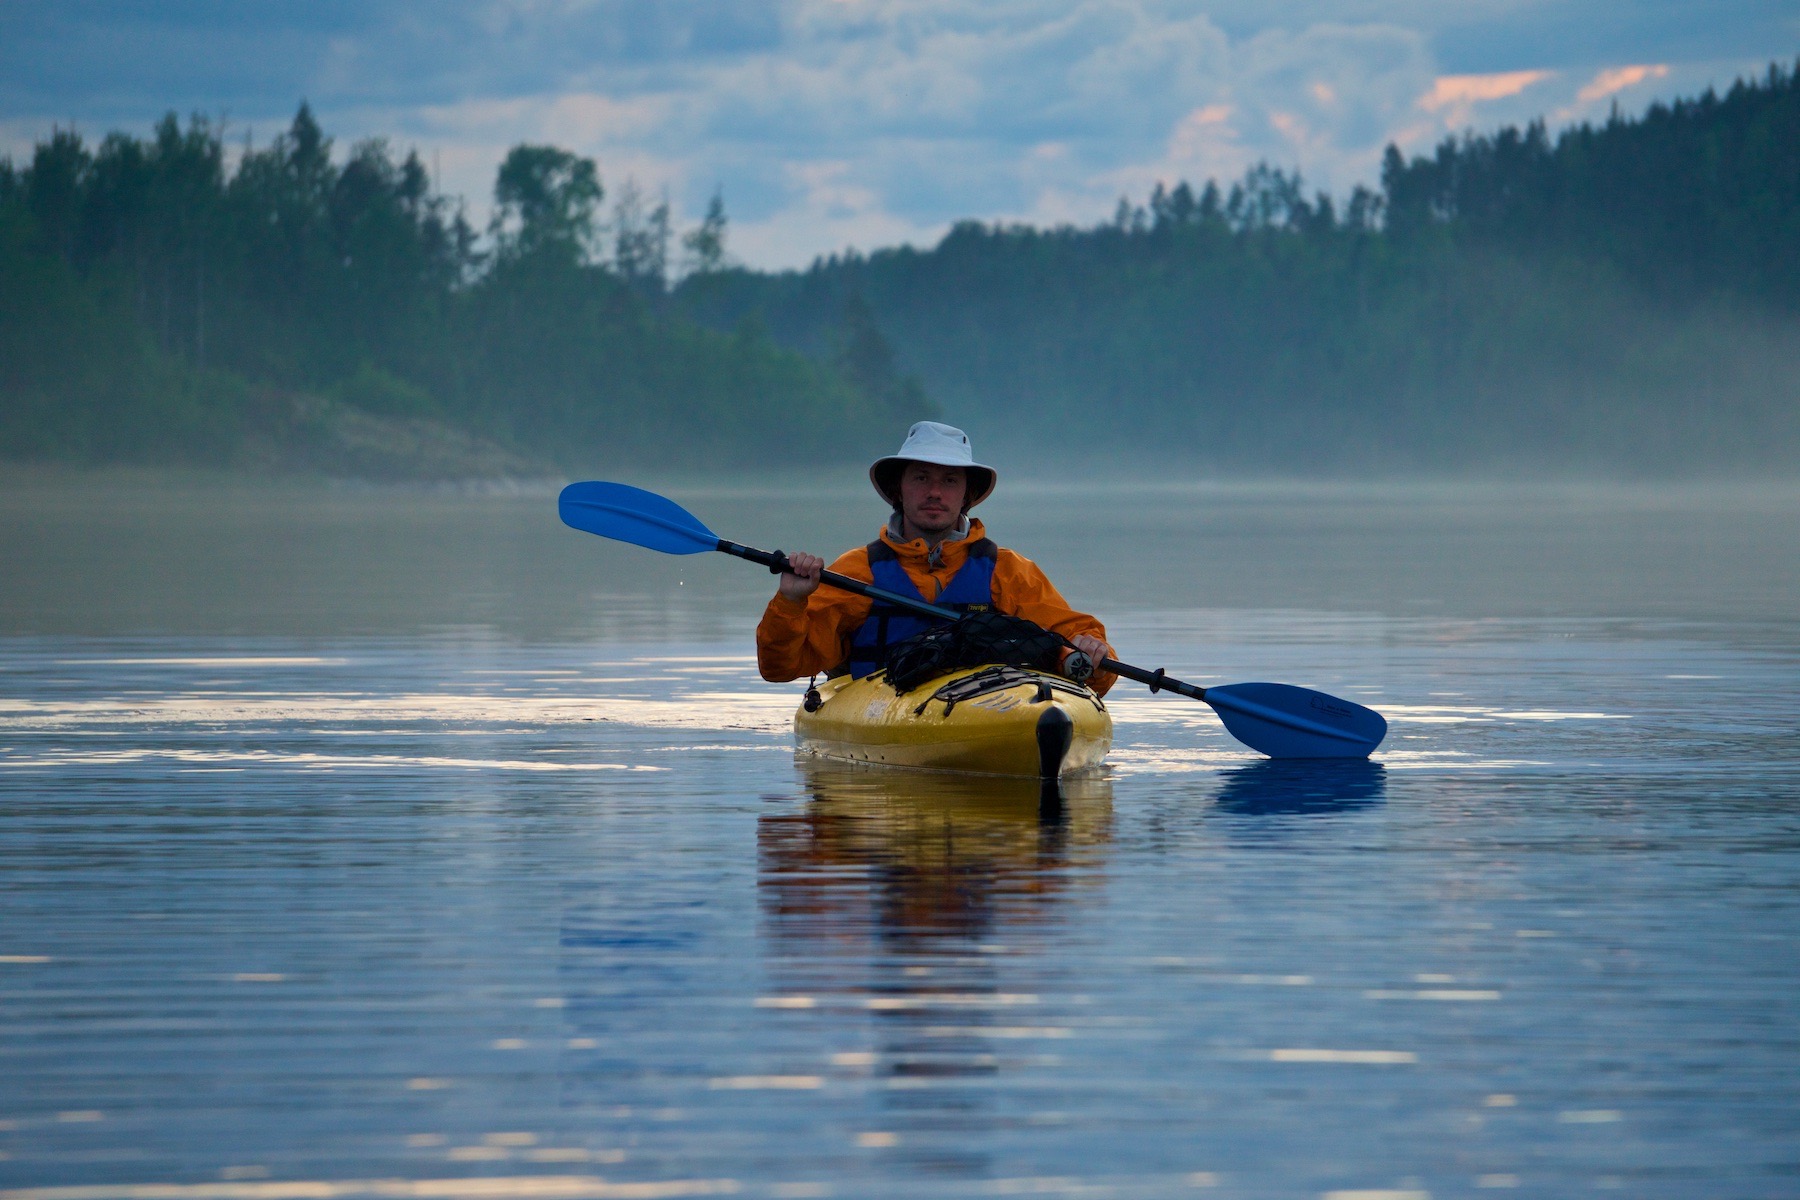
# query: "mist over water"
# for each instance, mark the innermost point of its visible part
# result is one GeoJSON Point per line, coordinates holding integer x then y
{"type": "Point", "coordinates": [352, 835]}
{"type": "Point", "coordinates": [156, 553]}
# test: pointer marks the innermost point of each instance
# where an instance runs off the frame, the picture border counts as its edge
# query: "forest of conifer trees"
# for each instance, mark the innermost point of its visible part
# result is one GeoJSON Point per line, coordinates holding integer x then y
{"type": "Point", "coordinates": [1618, 299]}
{"type": "Point", "coordinates": [303, 310]}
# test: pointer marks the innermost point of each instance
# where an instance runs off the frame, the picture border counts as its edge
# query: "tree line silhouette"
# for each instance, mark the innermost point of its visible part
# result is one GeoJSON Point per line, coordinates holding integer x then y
{"type": "Point", "coordinates": [1619, 297]}
{"type": "Point", "coordinates": [158, 303]}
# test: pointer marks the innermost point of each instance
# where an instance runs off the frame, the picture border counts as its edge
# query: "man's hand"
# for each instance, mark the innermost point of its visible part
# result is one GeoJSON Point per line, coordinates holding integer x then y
{"type": "Point", "coordinates": [801, 579]}
{"type": "Point", "coordinates": [1093, 647]}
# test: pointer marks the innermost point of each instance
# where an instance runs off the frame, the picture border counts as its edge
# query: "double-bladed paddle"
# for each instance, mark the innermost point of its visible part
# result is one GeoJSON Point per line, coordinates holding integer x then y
{"type": "Point", "coordinates": [1279, 719]}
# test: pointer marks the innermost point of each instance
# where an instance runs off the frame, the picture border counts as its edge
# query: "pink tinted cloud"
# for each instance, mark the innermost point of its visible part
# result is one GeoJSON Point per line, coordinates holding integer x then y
{"type": "Point", "coordinates": [1460, 91]}
{"type": "Point", "coordinates": [1617, 79]}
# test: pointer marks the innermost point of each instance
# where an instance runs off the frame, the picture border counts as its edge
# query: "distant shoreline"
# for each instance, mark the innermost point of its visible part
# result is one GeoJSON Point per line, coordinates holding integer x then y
{"type": "Point", "coordinates": [841, 480]}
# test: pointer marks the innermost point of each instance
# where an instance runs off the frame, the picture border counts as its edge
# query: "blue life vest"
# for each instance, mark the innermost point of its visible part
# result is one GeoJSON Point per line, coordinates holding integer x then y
{"type": "Point", "coordinates": [969, 590]}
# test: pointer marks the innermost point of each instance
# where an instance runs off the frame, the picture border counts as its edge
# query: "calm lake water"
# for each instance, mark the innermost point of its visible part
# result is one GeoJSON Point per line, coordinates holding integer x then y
{"type": "Point", "coordinates": [382, 843]}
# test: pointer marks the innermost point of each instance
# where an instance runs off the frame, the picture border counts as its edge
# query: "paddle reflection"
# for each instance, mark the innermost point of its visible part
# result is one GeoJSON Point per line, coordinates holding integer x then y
{"type": "Point", "coordinates": [906, 896]}
{"type": "Point", "coordinates": [1298, 786]}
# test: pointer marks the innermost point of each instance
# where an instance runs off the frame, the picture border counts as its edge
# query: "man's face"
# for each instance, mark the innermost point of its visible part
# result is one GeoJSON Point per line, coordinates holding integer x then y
{"type": "Point", "coordinates": [931, 497]}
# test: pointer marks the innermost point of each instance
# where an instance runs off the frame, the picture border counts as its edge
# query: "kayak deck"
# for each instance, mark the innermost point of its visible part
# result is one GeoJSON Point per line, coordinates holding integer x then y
{"type": "Point", "coordinates": [991, 720]}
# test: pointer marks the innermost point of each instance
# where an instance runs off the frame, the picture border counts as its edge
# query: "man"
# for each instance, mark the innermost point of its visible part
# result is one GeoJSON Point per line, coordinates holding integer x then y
{"type": "Point", "coordinates": [930, 546]}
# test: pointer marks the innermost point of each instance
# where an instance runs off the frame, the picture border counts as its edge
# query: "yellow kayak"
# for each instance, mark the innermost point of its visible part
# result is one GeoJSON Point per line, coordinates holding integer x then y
{"type": "Point", "coordinates": [993, 720]}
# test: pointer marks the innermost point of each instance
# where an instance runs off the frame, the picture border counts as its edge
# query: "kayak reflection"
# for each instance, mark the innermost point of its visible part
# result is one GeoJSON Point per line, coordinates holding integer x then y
{"type": "Point", "coordinates": [1296, 786]}
{"type": "Point", "coordinates": [933, 856]}
{"type": "Point", "coordinates": [905, 901]}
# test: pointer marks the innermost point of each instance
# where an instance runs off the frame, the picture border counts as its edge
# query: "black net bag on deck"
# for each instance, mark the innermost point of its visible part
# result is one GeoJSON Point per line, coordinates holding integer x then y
{"type": "Point", "coordinates": [974, 640]}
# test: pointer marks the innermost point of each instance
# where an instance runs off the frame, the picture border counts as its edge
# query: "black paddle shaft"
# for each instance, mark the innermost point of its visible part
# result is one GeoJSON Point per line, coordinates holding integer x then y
{"type": "Point", "coordinates": [1157, 680]}
{"type": "Point", "coordinates": [777, 562]}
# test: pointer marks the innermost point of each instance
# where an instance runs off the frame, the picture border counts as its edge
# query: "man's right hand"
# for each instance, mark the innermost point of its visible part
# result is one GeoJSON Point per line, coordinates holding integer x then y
{"type": "Point", "coordinates": [801, 579]}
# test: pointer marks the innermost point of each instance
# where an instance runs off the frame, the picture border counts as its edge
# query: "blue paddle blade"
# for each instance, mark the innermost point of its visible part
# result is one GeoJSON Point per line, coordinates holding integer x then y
{"type": "Point", "coordinates": [1284, 721]}
{"type": "Point", "coordinates": [628, 514]}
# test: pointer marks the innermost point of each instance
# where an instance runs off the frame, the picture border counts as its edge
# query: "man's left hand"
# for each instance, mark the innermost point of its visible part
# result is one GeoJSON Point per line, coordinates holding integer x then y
{"type": "Point", "coordinates": [1093, 647]}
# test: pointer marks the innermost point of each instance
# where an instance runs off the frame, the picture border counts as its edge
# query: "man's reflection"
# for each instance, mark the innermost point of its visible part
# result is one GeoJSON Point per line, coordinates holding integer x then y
{"type": "Point", "coordinates": [909, 892]}
{"type": "Point", "coordinates": [912, 862]}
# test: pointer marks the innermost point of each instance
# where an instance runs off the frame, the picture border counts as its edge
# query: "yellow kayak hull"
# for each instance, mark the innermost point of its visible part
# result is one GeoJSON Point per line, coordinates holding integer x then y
{"type": "Point", "coordinates": [979, 720]}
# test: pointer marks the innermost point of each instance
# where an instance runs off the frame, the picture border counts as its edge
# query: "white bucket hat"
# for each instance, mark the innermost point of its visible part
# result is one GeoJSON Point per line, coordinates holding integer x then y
{"type": "Point", "coordinates": [943, 445]}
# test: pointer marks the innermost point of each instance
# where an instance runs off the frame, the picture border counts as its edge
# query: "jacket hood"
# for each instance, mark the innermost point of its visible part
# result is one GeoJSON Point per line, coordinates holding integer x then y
{"type": "Point", "coordinates": [954, 548]}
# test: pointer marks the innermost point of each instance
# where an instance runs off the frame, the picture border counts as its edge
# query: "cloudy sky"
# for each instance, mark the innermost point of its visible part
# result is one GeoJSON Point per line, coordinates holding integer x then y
{"type": "Point", "coordinates": [834, 123]}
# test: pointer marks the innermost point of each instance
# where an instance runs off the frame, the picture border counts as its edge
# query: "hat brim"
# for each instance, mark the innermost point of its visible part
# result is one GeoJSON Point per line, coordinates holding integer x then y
{"type": "Point", "coordinates": [884, 473]}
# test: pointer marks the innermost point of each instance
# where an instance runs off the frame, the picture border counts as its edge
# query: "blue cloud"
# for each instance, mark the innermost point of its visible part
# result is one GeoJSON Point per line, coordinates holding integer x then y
{"type": "Point", "coordinates": [87, 58]}
{"type": "Point", "coordinates": [1578, 33]}
{"type": "Point", "coordinates": [867, 120]}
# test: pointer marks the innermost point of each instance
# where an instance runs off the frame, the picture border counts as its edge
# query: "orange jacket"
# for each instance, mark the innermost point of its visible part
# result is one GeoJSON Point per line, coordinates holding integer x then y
{"type": "Point", "coordinates": [807, 637]}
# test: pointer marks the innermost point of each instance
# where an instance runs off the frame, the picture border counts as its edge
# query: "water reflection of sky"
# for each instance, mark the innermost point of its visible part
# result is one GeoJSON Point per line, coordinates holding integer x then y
{"type": "Point", "coordinates": [464, 914]}
{"type": "Point", "coordinates": [578, 922]}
